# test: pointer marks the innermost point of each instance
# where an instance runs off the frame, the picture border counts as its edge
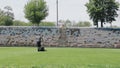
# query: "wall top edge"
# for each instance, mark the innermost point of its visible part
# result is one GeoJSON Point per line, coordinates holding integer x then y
{"type": "Point", "coordinates": [59, 27]}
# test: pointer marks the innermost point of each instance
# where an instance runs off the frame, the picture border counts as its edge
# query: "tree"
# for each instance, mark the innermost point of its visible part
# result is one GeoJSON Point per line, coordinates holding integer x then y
{"type": "Point", "coordinates": [21, 23]}
{"type": "Point", "coordinates": [2, 15]}
{"type": "Point", "coordinates": [83, 24]}
{"type": "Point", "coordinates": [9, 12]}
{"type": "Point", "coordinates": [35, 11]}
{"type": "Point", "coordinates": [112, 7]}
{"type": "Point", "coordinates": [66, 23]}
{"type": "Point", "coordinates": [9, 16]}
{"type": "Point", "coordinates": [102, 11]}
{"type": "Point", "coordinates": [47, 24]}
{"type": "Point", "coordinates": [6, 17]}
{"type": "Point", "coordinates": [7, 21]}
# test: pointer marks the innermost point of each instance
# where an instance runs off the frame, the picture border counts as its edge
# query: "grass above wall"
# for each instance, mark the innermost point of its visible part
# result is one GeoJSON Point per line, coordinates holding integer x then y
{"type": "Point", "coordinates": [28, 57]}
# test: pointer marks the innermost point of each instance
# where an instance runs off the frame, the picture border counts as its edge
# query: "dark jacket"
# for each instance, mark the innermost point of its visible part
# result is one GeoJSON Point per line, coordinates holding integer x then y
{"type": "Point", "coordinates": [39, 43]}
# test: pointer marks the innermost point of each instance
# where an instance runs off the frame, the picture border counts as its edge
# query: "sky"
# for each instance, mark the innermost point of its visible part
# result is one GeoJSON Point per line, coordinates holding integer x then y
{"type": "Point", "coordinates": [73, 10]}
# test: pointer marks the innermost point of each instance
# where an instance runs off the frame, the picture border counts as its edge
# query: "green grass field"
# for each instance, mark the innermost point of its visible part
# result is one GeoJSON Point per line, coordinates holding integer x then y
{"type": "Point", "coordinates": [28, 57]}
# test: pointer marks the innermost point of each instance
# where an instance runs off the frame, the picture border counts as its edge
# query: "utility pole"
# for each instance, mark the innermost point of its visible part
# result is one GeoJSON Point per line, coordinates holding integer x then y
{"type": "Point", "coordinates": [57, 11]}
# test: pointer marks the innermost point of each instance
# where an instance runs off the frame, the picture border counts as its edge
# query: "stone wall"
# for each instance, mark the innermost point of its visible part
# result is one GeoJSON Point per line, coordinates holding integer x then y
{"type": "Point", "coordinates": [59, 37]}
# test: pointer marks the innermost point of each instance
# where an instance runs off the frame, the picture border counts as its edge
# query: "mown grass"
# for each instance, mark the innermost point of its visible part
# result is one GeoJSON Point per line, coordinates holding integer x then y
{"type": "Point", "coordinates": [28, 57]}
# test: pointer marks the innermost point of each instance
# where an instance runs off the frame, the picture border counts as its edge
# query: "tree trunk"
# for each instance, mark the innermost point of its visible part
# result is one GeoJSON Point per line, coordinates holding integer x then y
{"type": "Point", "coordinates": [111, 24]}
{"type": "Point", "coordinates": [38, 24]}
{"type": "Point", "coordinates": [97, 24]}
{"type": "Point", "coordinates": [101, 24]}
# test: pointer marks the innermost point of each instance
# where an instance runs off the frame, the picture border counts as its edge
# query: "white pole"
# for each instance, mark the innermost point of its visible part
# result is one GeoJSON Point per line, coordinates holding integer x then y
{"type": "Point", "coordinates": [57, 11]}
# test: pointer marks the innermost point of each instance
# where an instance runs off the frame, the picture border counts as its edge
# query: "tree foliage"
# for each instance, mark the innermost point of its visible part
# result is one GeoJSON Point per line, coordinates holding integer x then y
{"type": "Point", "coordinates": [2, 14]}
{"type": "Point", "coordinates": [35, 11]}
{"type": "Point", "coordinates": [21, 23]}
{"type": "Point", "coordinates": [8, 12]}
{"type": "Point", "coordinates": [6, 17]}
{"type": "Point", "coordinates": [47, 24]}
{"type": "Point", "coordinates": [7, 21]}
{"type": "Point", "coordinates": [65, 23]}
{"type": "Point", "coordinates": [83, 24]}
{"type": "Point", "coordinates": [102, 11]}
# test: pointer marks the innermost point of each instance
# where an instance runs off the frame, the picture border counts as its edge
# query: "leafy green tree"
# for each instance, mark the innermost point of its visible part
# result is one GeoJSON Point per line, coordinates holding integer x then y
{"type": "Point", "coordinates": [7, 21]}
{"type": "Point", "coordinates": [9, 16]}
{"type": "Point", "coordinates": [2, 14]}
{"type": "Point", "coordinates": [6, 17]}
{"type": "Point", "coordinates": [47, 24]}
{"type": "Point", "coordinates": [35, 11]}
{"type": "Point", "coordinates": [83, 24]}
{"type": "Point", "coordinates": [111, 12]}
{"type": "Point", "coordinates": [66, 23]}
{"type": "Point", "coordinates": [21, 23]}
{"type": "Point", "coordinates": [9, 12]}
{"type": "Point", "coordinates": [102, 11]}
